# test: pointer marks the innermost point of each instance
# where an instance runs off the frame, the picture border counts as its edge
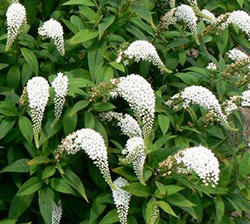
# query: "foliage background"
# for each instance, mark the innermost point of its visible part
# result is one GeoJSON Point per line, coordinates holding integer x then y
{"type": "Point", "coordinates": [94, 31]}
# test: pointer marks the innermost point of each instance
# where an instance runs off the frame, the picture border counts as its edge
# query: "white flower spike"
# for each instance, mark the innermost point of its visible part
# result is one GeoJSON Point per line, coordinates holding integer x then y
{"type": "Point", "coordinates": [142, 50]}
{"type": "Point", "coordinates": [121, 199]}
{"type": "Point", "coordinates": [16, 18]}
{"type": "Point", "coordinates": [57, 212]}
{"type": "Point", "coordinates": [60, 85]}
{"type": "Point", "coordinates": [236, 55]}
{"type": "Point", "coordinates": [38, 96]}
{"type": "Point", "coordinates": [93, 144]}
{"type": "Point", "coordinates": [140, 96]}
{"type": "Point", "coordinates": [135, 153]}
{"type": "Point", "coordinates": [54, 30]}
{"type": "Point", "coordinates": [128, 124]}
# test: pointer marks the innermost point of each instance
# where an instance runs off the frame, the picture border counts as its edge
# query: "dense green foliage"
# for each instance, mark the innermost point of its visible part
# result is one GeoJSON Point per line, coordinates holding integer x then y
{"type": "Point", "coordinates": [94, 30]}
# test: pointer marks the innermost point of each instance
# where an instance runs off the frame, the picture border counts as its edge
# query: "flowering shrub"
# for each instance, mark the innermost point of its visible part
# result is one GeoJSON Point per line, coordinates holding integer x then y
{"type": "Point", "coordinates": [126, 112]}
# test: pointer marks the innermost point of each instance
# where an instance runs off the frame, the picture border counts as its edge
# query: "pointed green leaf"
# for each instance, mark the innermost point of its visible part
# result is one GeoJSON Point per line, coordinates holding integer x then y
{"type": "Point", "coordinates": [111, 217]}
{"type": "Point", "coordinates": [48, 172]}
{"type": "Point", "coordinates": [79, 2]}
{"type": "Point", "coordinates": [166, 207]}
{"type": "Point", "coordinates": [5, 126]}
{"type": "Point", "coordinates": [102, 27]}
{"type": "Point", "coordinates": [19, 166]}
{"type": "Point", "coordinates": [30, 186]}
{"type": "Point", "coordinates": [61, 186]}
{"type": "Point", "coordinates": [137, 189]}
{"type": "Point", "coordinates": [26, 128]}
{"type": "Point", "coordinates": [45, 200]}
{"type": "Point", "coordinates": [31, 59]}
{"type": "Point", "coordinates": [164, 122]}
{"type": "Point", "coordinates": [79, 106]}
{"type": "Point", "coordinates": [39, 160]}
{"type": "Point", "coordinates": [83, 36]}
{"type": "Point", "coordinates": [220, 207]}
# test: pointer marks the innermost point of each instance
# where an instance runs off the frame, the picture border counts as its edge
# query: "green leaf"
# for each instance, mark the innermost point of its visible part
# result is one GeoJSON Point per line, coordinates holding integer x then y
{"type": "Point", "coordinates": [102, 106]}
{"type": "Point", "coordinates": [179, 200]}
{"type": "Point", "coordinates": [30, 186]}
{"type": "Point", "coordinates": [222, 39]}
{"type": "Point", "coordinates": [15, 209]}
{"type": "Point", "coordinates": [137, 189]}
{"type": "Point", "coordinates": [144, 14]}
{"type": "Point", "coordinates": [102, 27]}
{"type": "Point", "coordinates": [45, 200]}
{"type": "Point", "coordinates": [2, 66]}
{"type": "Point", "coordinates": [26, 128]}
{"type": "Point", "coordinates": [74, 181]}
{"type": "Point", "coordinates": [241, 2]}
{"type": "Point", "coordinates": [8, 221]}
{"type": "Point", "coordinates": [5, 126]}
{"type": "Point", "coordinates": [89, 120]}
{"type": "Point", "coordinates": [220, 207]}
{"type": "Point", "coordinates": [83, 36]}
{"type": "Point", "coordinates": [118, 66]}
{"type": "Point", "coordinates": [161, 187]}
{"type": "Point", "coordinates": [111, 217]}
{"type": "Point", "coordinates": [8, 108]}
{"type": "Point", "coordinates": [39, 160]}
{"type": "Point", "coordinates": [13, 77]}
{"type": "Point", "coordinates": [166, 207]}
{"type": "Point", "coordinates": [69, 122]}
{"type": "Point", "coordinates": [244, 167]}
{"type": "Point", "coordinates": [61, 186]}
{"type": "Point", "coordinates": [164, 122]}
{"type": "Point", "coordinates": [31, 59]}
{"type": "Point", "coordinates": [19, 166]}
{"type": "Point", "coordinates": [48, 172]}
{"type": "Point", "coordinates": [79, 106]}
{"type": "Point", "coordinates": [79, 2]}
{"type": "Point", "coordinates": [170, 189]}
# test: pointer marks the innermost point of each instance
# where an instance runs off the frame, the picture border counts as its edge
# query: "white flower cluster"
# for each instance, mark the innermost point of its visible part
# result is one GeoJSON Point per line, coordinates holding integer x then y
{"type": "Point", "coordinates": [121, 199]}
{"type": "Point", "coordinates": [57, 212]}
{"type": "Point", "coordinates": [135, 153]}
{"type": "Point", "coordinates": [16, 18]}
{"type": "Point", "coordinates": [245, 98]}
{"type": "Point", "coordinates": [93, 144]}
{"type": "Point", "coordinates": [186, 13]}
{"type": "Point", "coordinates": [169, 18]}
{"type": "Point", "coordinates": [53, 29]}
{"type": "Point", "coordinates": [38, 96]}
{"type": "Point", "coordinates": [202, 161]}
{"type": "Point", "coordinates": [231, 106]}
{"type": "Point", "coordinates": [141, 50]}
{"type": "Point", "coordinates": [60, 85]}
{"type": "Point", "coordinates": [211, 66]}
{"type": "Point", "coordinates": [236, 55]}
{"type": "Point", "coordinates": [210, 15]}
{"type": "Point", "coordinates": [203, 97]}
{"type": "Point", "coordinates": [240, 19]}
{"type": "Point", "coordinates": [155, 214]}
{"type": "Point", "coordinates": [140, 96]}
{"type": "Point", "coordinates": [127, 123]}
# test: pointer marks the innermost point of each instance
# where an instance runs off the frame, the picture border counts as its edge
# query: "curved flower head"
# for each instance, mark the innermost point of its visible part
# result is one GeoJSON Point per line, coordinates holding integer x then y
{"type": "Point", "coordinates": [135, 153]}
{"type": "Point", "coordinates": [38, 96]}
{"type": "Point", "coordinates": [93, 144]}
{"type": "Point", "coordinates": [57, 212]}
{"type": "Point", "coordinates": [121, 199]}
{"type": "Point", "coordinates": [16, 18]}
{"type": "Point", "coordinates": [142, 50]}
{"type": "Point", "coordinates": [240, 19]}
{"type": "Point", "coordinates": [53, 29]}
{"type": "Point", "coordinates": [236, 55]}
{"type": "Point", "coordinates": [199, 160]}
{"type": "Point", "coordinates": [60, 85]}
{"type": "Point", "coordinates": [128, 124]}
{"type": "Point", "coordinates": [204, 98]}
{"type": "Point", "coordinates": [184, 13]}
{"type": "Point", "coordinates": [210, 15]}
{"type": "Point", "coordinates": [140, 96]}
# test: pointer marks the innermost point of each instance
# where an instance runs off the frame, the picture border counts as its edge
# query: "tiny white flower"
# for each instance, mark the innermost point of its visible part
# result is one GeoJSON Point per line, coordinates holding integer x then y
{"type": "Point", "coordinates": [121, 199]}
{"type": "Point", "coordinates": [38, 96]}
{"type": "Point", "coordinates": [54, 30]}
{"type": "Point", "coordinates": [128, 124]}
{"type": "Point", "coordinates": [230, 106]}
{"type": "Point", "coordinates": [236, 55]}
{"type": "Point", "coordinates": [211, 66]}
{"type": "Point", "coordinates": [57, 212]}
{"type": "Point", "coordinates": [16, 18]}
{"type": "Point", "coordinates": [60, 85]}
{"type": "Point", "coordinates": [245, 98]}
